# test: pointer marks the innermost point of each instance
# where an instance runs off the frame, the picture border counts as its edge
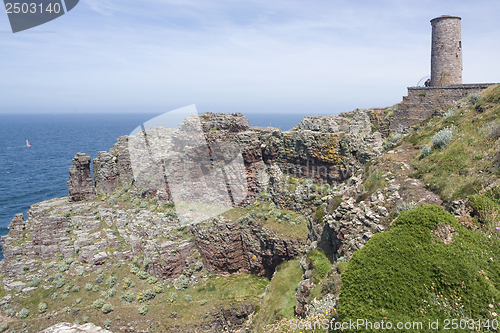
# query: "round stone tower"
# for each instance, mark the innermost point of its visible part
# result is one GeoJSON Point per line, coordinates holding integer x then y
{"type": "Point", "coordinates": [446, 54]}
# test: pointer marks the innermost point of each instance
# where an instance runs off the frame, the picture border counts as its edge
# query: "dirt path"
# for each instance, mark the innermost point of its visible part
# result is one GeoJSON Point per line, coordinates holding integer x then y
{"type": "Point", "coordinates": [398, 163]}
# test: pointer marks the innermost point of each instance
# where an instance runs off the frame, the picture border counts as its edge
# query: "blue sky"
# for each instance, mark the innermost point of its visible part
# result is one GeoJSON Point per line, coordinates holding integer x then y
{"type": "Point", "coordinates": [310, 57]}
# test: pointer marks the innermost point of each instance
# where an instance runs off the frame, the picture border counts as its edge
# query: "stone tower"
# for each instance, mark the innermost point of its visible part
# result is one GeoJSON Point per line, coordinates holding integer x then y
{"type": "Point", "coordinates": [446, 54]}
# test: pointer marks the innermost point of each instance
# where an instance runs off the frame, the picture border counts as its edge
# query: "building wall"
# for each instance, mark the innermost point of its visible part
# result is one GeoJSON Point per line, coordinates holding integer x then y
{"type": "Point", "coordinates": [421, 102]}
{"type": "Point", "coordinates": [446, 53]}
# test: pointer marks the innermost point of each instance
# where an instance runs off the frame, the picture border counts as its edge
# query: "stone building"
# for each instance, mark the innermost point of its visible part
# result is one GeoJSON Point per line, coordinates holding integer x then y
{"type": "Point", "coordinates": [446, 52]}
{"type": "Point", "coordinates": [446, 87]}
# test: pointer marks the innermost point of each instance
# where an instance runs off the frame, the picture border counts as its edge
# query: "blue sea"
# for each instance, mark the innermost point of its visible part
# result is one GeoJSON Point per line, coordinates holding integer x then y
{"type": "Point", "coordinates": [31, 175]}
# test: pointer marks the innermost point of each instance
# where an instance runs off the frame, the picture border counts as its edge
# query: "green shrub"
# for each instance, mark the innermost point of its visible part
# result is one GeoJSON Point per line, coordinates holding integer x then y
{"type": "Point", "coordinates": [483, 208]}
{"type": "Point", "coordinates": [24, 313]}
{"type": "Point", "coordinates": [146, 295]}
{"type": "Point", "coordinates": [474, 98]}
{"type": "Point", "coordinates": [426, 150]}
{"type": "Point", "coordinates": [85, 319]}
{"type": "Point", "coordinates": [188, 298]}
{"type": "Point", "coordinates": [413, 273]}
{"type": "Point", "coordinates": [104, 294]}
{"type": "Point", "coordinates": [112, 292]}
{"type": "Point", "coordinates": [172, 214]}
{"type": "Point", "coordinates": [42, 307]}
{"type": "Point", "coordinates": [142, 275]}
{"type": "Point", "coordinates": [321, 265]}
{"type": "Point", "coordinates": [34, 283]}
{"type": "Point", "coordinates": [158, 289]}
{"type": "Point", "coordinates": [173, 297]}
{"type": "Point", "coordinates": [111, 281]}
{"type": "Point", "coordinates": [95, 288]}
{"type": "Point", "coordinates": [134, 270]}
{"type": "Point", "coordinates": [63, 267]}
{"type": "Point", "coordinates": [442, 138]}
{"type": "Point", "coordinates": [244, 220]}
{"type": "Point", "coordinates": [143, 310]}
{"type": "Point", "coordinates": [107, 323]}
{"type": "Point", "coordinates": [98, 303]}
{"type": "Point", "coordinates": [59, 282]}
{"type": "Point", "coordinates": [183, 282]}
{"type": "Point", "coordinates": [152, 280]}
{"type": "Point", "coordinates": [75, 289]}
{"type": "Point", "coordinates": [88, 286]}
{"type": "Point", "coordinates": [99, 271]}
{"type": "Point", "coordinates": [99, 278]}
{"type": "Point", "coordinates": [107, 308]}
{"type": "Point", "coordinates": [449, 113]}
{"type": "Point", "coordinates": [128, 296]}
{"type": "Point", "coordinates": [203, 302]}
{"type": "Point", "coordinates": [147, 262]}
{"type": "Point", "coordinates": [198, 266]}
{"type": "Point", "coordinates": [4, 327]}
{"type": "Point", "coordinates": [10, 312]}
{"type": "Point", "coordinates": [127, 283]}
{"type": "Point", "coordinates": [319, 215]}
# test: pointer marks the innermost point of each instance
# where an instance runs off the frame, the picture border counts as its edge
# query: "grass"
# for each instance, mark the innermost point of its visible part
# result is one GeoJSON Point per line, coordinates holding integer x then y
{"type": "Point", "coordinates": [279, 301]}
{"type": "Point", "coordinates": [216, 292]}
{"type": "Point", "coordinates": [287, 229]}
{"type": "Point", "coordinates": [374, 181]}
{"type": "Point", "coordinates": [409, 274]}
{"type": "Point", "coordinates": [321, 268]}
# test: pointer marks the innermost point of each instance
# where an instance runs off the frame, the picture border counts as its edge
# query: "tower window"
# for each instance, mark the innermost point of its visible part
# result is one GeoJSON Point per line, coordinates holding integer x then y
{"type": "Point", "coordinates": [460, 44]}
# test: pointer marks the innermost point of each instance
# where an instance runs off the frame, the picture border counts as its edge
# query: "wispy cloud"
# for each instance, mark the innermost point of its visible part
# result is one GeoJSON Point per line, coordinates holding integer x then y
{"type": "Point", "coordinates": [103, 7]}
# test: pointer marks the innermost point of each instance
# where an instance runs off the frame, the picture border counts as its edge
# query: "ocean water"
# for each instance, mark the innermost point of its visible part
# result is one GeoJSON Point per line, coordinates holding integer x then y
{"type": "Point", "coordinates": [31, 175]}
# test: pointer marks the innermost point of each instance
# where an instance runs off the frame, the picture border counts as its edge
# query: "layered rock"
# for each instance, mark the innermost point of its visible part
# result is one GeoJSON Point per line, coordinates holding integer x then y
{"type": "Point", "coordinates": [80, 186]}
{"type": "Point", "coordinates": [327, 149]}
{"type": "Point", "coordinates": [233, 248]}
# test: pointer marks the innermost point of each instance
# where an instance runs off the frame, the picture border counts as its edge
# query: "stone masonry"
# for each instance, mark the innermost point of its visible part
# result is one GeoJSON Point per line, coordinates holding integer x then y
{"type": "Point", "coordinates": [446, 54]}
{"type": "Point", "coordinates": [421, 102]}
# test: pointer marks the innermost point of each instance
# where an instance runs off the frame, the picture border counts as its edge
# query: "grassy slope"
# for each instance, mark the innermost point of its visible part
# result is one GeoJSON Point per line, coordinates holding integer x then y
{"type": "Point", "coordinates": [471, 159]}
{"type": "Point", "coordinates": [407, 273]}
{"type": "Point", "coordinates": [279, 301]}
{"type": "Point", "coordinates": [216, 292]}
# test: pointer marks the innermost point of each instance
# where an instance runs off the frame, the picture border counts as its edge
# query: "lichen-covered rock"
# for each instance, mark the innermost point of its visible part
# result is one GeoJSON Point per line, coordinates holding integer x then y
{"type": "Point", "coordinates": [80, 186]}
{"type": "Point", "coordinates": [106, 175]}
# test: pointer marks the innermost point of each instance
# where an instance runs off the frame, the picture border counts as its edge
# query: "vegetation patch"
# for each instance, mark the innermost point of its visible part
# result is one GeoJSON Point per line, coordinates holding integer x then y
{"type": "Point", "coordinates": [409, 274]}
{"type": "Point", "coordinates": [279, 301]}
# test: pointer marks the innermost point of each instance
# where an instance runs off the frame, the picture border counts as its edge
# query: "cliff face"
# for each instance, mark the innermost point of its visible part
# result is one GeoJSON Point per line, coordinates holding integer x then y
{"type": "Point", "coordinates": [324, 149]}
{"type": "Point", "coordinates": [231, 248]}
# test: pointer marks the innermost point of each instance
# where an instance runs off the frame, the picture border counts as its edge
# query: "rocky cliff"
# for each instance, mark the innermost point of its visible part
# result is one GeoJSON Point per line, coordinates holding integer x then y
{"type": "Point", "coordinates": [144, 208]}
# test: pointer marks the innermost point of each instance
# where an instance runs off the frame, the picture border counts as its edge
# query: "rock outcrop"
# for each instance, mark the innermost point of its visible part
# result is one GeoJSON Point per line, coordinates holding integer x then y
{"type": "Point", "coordinates": [80, 186]}
{"type": "Point", "coordinates": [233, 248]}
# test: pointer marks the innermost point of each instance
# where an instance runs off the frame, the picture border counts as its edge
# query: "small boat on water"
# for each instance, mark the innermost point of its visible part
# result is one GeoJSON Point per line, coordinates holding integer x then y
{"type": "Point", "coordinates": [28, 144]}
